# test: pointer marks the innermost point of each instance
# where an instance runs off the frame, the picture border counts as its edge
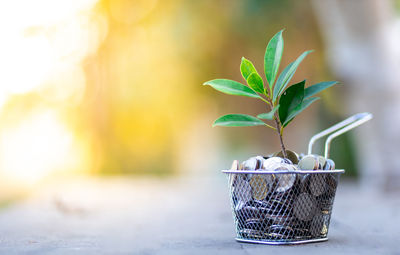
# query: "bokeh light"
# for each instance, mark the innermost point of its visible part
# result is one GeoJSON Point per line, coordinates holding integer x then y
{"type": "Point", "coordinates": [42, 51]}
{"type": "Point", "coordinates": [35, 147]}
{"type": "Point", "coordinates": [114, 87]}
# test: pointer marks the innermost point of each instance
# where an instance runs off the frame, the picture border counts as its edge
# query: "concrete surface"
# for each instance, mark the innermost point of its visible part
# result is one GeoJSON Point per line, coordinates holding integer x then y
{"type": "Point", "coordinates": [186, 215]}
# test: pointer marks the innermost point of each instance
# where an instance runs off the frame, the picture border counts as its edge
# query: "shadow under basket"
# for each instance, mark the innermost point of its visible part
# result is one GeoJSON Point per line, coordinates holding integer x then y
{"type": "Point", "coordinates": [282, 207]}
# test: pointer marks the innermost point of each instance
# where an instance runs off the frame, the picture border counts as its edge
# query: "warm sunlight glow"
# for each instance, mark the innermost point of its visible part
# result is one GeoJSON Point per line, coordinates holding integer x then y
{"type": "Point", "coordinates": [26, 64]}
{"type": "Point", "coordinates": [35, 147]}
{"type": "Point", "coordinates": [43, 46]}
{"type": "Point", "coordinates": [51, 40]}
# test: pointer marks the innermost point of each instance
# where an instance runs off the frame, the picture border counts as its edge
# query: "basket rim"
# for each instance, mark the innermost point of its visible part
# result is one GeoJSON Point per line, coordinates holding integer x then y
{"type": "Point", "coordinates": [283, 171]}
{"type": "Point", "coordinates": [277, 242]}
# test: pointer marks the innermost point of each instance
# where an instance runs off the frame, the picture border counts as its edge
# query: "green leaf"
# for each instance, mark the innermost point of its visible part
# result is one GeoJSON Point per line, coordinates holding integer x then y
{"type": "Point", "coordinates": [255, 82]}
{"type": "Point", "coordinates": [316, 88]}
{"type": "Point", "coordinates": [251, 76]}
{"type": "Point", "coordinates": [306, 103]}
{"type": "Point", "coordinates": [272, 57]}
{"type": "Point", "coordinates": [287, 74]}
{"type": "Point", "coordinates": [232, 88]}
{"type": "Point", "coordinates": [238, 120]}
{"type": "Point", "coordinates": [290, 99]}
{"type": "Point", "coordinates": [247, 68]}
{"type": "Point", "coordinates": [269, 115]}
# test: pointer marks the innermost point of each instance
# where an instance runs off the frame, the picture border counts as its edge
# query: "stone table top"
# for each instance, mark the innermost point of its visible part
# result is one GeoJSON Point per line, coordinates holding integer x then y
{"type": "Point", "coordinates": [177, 215]}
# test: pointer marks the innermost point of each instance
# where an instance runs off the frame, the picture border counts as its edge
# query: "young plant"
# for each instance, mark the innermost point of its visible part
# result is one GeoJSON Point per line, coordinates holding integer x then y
{"type": "Point", "coordinates": [283, 103]}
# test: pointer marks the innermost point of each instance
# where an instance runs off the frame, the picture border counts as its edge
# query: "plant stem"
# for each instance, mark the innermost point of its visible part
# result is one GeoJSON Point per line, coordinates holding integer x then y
{"type": "Point", "coordinates": [270, 126]}
{"type": "Point", "coordinates": [278, 129]}
{"type": "Point", "coordinates": [266, 101]}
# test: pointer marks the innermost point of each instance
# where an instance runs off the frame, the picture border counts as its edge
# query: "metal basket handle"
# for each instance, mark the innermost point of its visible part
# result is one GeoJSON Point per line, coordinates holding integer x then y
{"type": "Point", "coordinates": [342, 127]}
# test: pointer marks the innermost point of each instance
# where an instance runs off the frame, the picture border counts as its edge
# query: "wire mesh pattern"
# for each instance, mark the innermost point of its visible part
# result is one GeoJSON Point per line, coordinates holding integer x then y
{"type": "Point", "coordinates": [282, 207]}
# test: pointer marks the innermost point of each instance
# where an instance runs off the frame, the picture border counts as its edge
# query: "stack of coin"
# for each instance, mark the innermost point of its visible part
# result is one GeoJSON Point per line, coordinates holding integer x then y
{"type": "Point", "coordinates": [291, 155]}
{"type": "Point", "coordinates": [315, 162]}
{"type": "Point", "coordinates": [284, 203]}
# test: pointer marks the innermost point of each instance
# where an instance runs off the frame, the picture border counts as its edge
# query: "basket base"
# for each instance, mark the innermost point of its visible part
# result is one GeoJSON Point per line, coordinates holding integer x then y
{"type": "Point", "coordinates": [282, 242]}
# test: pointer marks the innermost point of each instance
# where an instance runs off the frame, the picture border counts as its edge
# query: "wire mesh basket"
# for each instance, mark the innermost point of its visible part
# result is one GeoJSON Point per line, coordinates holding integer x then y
{"type": "Point", "coordinates": [282, 207]}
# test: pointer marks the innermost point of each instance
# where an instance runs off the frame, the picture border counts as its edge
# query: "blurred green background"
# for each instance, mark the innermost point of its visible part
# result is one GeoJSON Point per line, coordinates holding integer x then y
{"type": "Point", "coordinates": [115, 87]}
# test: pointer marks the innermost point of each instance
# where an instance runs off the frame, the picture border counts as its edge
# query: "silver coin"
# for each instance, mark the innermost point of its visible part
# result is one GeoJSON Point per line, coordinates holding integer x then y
{"type": "Point", "coordinates": [331, 185]}
{"type": "Point", "coordinates": [305, 207]}
{"type": "Point", "coordinates": [304, 181]}
{"type": "Point", "coordinates": [309, 162]}
{"type": "Point", "coordinates": [293, 167]}
{"type": "Point", "coordinates": [269, 179]}
{"type": "Point", "coordinates": [287, 161]}
{"type": "Point", "coordinates": [329, 165]}
{"type": "Point", "coordinates": [317, 225]}
{"type": "Point", "coordinates": [317, 184]}
{"type": "Point", "coordinates": [280, 231]}
{"type": "Point", "coordinates": [242, 191]}
{"type": "Point", "coordinates": [235, 165]}
{"type": "Point", "coordinates": [283, 167]}
{"type": "Point", "coordinates": [259, 187]}
{"type": "Point", "coordinates": [272, 163]}
{"type": "Point", "coordinates": [321, 162]}
{"type": "Point", "coordinates": [250, 164]}
{"type": "Point", "coordinates": [291, 155]}
{"type": "Point", "coordinates": [252, 234]}
{"type": "Point", "coordinates": [260, 162]}
{"type": "Point", "coordinates": [285, 181]}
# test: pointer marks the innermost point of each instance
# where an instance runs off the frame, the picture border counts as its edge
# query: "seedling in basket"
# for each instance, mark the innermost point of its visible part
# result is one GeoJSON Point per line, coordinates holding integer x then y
{"type": "Point", "coordinates": [283, 102]}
